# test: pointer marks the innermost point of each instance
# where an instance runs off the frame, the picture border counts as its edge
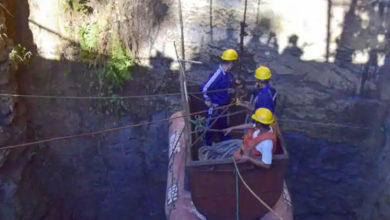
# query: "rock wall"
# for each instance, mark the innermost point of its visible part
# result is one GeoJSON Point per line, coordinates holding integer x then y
{"type": "Point", "coordinates": [106, 176]}
{"type": "Point", "coordinates": [12, 128]}
{"type": "Point", "coordinates": [376, 195]}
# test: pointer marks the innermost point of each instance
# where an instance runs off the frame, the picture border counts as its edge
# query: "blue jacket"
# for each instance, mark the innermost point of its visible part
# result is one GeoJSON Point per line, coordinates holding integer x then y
{"type": "Point", "coordinates": [265, 98]}
{"type": "Point", "coordinates": [216, 81]}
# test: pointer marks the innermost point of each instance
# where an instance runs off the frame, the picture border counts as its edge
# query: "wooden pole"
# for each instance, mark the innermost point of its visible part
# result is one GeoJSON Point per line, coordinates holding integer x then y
{"type": "Point", "coordinates": [243, 26]}
{"type": "Point", "coordinates": [186, 107]}
{"type": "Point", "coordinates": [181, 31]}
{"type": "Point", "coordinates": [211, 20]}
{"type": "Point", "coordinates": [257, 12]}
{"type": "Point", "coordinates": [328, 26]}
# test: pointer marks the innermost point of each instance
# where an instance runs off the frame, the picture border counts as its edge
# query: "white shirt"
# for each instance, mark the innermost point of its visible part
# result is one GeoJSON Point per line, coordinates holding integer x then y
{"type": "Point", "coordinates": [264, 147]}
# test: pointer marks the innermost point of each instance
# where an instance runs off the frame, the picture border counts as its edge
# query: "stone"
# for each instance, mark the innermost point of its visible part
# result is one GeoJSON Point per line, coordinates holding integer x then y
{"type": "Point", "coordinates": [3, 157]}
{"type": "Point", "coordinates": [4, 77]}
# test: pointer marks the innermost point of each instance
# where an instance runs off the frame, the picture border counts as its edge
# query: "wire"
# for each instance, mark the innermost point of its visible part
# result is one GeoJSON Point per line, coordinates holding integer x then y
{"type": "Point", "coordinates": [104, 131]}
{"type": "Point", "coordinates": [323, 124]}
{"type": "Point", "coordinates": [102, 97]}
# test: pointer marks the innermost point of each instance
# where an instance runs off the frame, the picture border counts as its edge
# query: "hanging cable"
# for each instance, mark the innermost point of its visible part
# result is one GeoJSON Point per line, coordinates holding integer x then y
{"type": "Point", "coordinates": [103, 97]}
{"type": "Point", "coordinates": [103, 131]}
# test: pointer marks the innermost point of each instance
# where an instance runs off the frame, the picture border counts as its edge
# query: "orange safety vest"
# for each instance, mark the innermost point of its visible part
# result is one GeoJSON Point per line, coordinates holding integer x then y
{"type": "Point", "coordinates": [250, 143]}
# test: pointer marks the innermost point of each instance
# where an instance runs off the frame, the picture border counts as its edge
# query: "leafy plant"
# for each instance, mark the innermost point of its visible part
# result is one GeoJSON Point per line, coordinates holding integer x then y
{"type": "Point", "coordinates": [77, 5]}
{"type": "Point", "coordinates": [119, 62]}
{"type": "Point", "coordinates": [116, 59]}
{"type": "Point", "coordinates": [20, 55]}
{"type": "Point", "coordinates": [89, 37]}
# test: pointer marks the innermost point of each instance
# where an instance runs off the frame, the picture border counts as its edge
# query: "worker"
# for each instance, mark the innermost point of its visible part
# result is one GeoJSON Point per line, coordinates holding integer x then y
{"type": "Point", "coordinates": [260, 142]}
{"type": "Point", "coordinates": [219, 80]}
{"type": "Point", "coordinates": [265, 95]}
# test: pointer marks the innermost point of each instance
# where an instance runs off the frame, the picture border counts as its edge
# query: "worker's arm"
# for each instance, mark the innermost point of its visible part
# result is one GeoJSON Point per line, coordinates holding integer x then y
{"type": "Point", "coordinates": [245, 104]}
{"type": "Point", "coordinates": [238, 127]}
{"type": "Point", "coordinates": [209, 85]}
{"type": "Point", "coordinates": [256, 161]}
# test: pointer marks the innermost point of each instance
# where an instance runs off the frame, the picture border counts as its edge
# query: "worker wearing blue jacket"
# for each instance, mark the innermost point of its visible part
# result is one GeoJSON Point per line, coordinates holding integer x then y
{"type": "Point", "coordinates": [219, 80]}
{"type": "Point", "coordinates": [265, 95]}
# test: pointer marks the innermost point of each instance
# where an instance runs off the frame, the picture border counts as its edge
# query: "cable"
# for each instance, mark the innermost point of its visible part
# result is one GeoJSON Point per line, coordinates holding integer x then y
{"type": "Point", "coordinates": [323, 124]}
{"type": "Point", "coordinates": [103, 131]}
{"type": "Point", "coordinates": [102, 97]}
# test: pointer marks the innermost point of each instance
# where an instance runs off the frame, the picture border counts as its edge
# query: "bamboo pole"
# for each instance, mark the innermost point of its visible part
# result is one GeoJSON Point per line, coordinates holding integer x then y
{"type": "Point", "coordinates": [186, 107]}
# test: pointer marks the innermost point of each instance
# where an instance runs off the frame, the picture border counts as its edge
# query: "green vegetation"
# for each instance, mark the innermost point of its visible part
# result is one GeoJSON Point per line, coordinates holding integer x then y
{"type": "Point", "coordinates": [89, 37]}
{"type": "Point", "coordinates": [115, 59]}
{"type": "Point", "coordinates": [119, 62]}
{"type": "Point", "coordinates": [20, 55]}
{"type": "Point", "coordinates": [77, 5]}
{"type": "Point", "coordinates": [101, 48]}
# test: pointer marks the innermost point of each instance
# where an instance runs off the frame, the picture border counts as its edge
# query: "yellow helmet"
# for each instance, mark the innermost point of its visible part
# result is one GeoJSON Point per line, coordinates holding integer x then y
{"type": "Point", "coordinates": [263, 73]}
{"type": "Point", "coordinates": [229, 55]}
{"type": "Point", "coordinates": [263, 116]}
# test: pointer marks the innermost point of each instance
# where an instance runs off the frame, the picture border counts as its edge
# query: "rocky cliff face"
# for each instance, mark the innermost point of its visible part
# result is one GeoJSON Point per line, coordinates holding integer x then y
{"type": "Point", "coordinates": [377, 197]}
{"type": "Point", "coordinates": [122, 175]}
{"type": "Point", "coordinates": [12, 127]}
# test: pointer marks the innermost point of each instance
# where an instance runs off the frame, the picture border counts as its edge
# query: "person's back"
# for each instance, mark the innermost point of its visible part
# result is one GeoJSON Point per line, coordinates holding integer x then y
{"type": "Point", "coordinates": [266, 98]}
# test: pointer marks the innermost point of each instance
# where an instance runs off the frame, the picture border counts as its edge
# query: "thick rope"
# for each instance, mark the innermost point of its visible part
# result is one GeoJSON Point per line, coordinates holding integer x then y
{"type": "Point", "coordinates": [253, 193]}
{"type": "Point", "coordinates": [220, 150]}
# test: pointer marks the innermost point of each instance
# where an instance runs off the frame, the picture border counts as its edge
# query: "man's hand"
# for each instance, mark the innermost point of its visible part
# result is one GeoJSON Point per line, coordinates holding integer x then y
{"type": "Point", "coordinates": [227, 131]}
{"type": "Point", "coordinates": [245, 157]}
{"type": "Point", "coordinates": [208, 103]}
{"type": "Point", "coordinates": [242, 103]}
{"type": "Point", "coordinates": [242, 159]}
{"type": "Point", "coordinates": [231, 90]}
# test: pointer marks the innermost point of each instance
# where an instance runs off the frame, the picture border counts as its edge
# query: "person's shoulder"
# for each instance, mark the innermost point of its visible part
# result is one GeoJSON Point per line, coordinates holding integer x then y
{"type": "Point", "coordinates": [217, 72]}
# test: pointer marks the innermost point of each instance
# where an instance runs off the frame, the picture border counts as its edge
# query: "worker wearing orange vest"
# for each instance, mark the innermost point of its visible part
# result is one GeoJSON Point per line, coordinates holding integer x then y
{"type": "Point", "coordinates": [260, 142]}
